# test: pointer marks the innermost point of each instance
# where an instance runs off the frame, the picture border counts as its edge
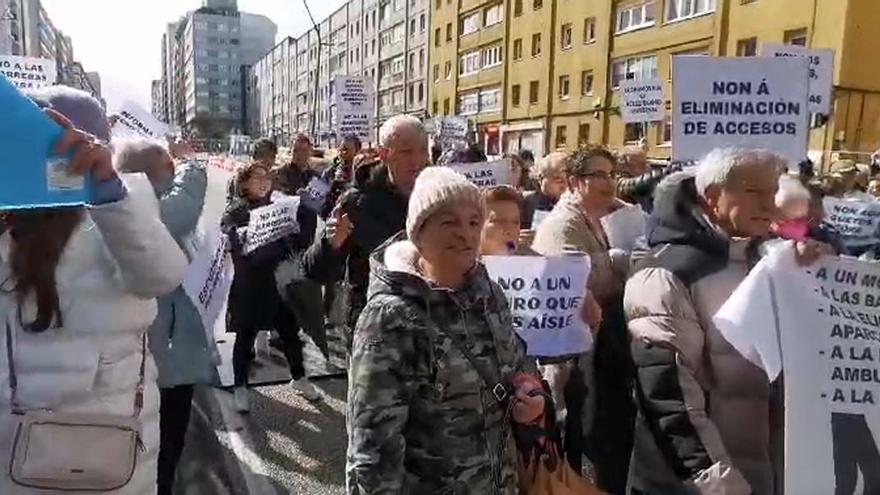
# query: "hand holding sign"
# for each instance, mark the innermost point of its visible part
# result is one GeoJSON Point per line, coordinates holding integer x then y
{"type": "Point", "coordinates": [339, 228]}
{"type": "Point", "coordinates": [90, 155]}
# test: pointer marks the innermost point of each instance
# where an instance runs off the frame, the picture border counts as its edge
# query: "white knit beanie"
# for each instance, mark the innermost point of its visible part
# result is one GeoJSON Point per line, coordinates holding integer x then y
{"type": "Point", "coordinates": [435, 188]}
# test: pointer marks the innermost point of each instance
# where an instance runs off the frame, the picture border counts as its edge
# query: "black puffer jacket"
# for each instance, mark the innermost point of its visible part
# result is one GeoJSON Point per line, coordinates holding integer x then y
{"type": "Point", "coordinates": [640, 190]}
{"type": "Point", "coordinates": [377, 212]}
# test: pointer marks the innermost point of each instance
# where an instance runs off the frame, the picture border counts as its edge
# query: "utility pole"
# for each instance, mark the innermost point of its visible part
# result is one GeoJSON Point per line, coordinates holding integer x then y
{"type": "Point", "coordinates": [317, 72]}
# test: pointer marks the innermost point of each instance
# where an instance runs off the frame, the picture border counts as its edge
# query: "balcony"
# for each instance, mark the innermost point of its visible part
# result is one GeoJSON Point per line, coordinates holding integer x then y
{"type": "Point", "coordinates": [483, 77]}
{"type": "Point", "coordinates": [482, 37]}
{"type": "Point", "coordinates": [390, 80]}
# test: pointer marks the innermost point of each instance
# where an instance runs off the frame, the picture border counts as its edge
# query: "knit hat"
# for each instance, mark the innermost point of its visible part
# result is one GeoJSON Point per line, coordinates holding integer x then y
{"type": "Point", "coordinates": [435, 188]}
{"type": "Point", "coordinates": [82, 109]}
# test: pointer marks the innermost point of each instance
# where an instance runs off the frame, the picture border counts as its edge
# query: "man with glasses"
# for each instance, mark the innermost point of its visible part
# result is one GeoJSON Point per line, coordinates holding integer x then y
{"type": "Point", "coordinates": [574, 225]}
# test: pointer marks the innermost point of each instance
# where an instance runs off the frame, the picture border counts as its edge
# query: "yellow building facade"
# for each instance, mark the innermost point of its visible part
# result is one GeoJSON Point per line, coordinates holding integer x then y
{"type": "Point", "coordinates": [561, 60]}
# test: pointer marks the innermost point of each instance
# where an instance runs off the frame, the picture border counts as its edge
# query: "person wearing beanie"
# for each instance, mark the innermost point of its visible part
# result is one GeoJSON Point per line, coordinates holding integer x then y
{"type": "Point", "coordinates": [433, 343]}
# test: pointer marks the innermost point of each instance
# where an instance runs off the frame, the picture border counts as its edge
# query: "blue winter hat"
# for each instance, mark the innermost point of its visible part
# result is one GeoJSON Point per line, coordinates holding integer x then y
{"type": "Point", "coordinates": [84, 111]}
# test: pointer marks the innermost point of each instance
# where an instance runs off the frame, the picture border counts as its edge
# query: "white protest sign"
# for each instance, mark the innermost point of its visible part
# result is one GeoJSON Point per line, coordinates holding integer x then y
{"type": "Point", "coordinates": [131, 120]}
{"type": "Point", "coordinates": [858, 222]}
{"type": "Point", "coordinates": [748, 102]}
{"type": "Point", "coordinates": [538, 218]}
{"type": "Point", "coordinates": [208, 279]}
{"type": "Point", "coordinates": [545, 296]}
{"type": "Point", "coordinates": [314, 194]}
{"type": "Point", "coordinates": [821, 325]}
{"type": "Point", "coordinates": [451, 129]}
{"type": "Point", "coordinates": [624, 225]}
{"type": "Point", "coordinates": [821, 72]}
{"type": "Point", "coordinates": [271, 222]}
{"type": "Point", "coordinates": [354, 106]}
{"type": "Point", "coordinates": [28, 72]}
{"type": "Point", "coordinates": [642, 100]}
{"type": "Point", "coordinates": [485, 174]}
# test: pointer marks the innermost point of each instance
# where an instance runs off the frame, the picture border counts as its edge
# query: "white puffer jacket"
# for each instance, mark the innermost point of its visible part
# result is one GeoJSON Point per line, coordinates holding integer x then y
{"type": "Point", "coordinates": [115, 264]}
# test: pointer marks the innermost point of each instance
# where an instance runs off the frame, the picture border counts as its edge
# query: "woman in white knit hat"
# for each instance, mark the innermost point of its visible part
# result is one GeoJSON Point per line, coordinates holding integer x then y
{"type": "Point", "coordinates": [435, 358]}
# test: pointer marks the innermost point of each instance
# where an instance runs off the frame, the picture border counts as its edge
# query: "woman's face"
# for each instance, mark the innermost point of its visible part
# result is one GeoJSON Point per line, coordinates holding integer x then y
{"type": "Point", "coordinates": [258, 185]}
{"type": "Point", "coordinates": [597, 187]}
{"type": "Point", "coordinates": [450, 239]}
{"type": "Point", "coordinates": [516, 173]}
{"type": "Point", "coordinates": [553, 185]}
{"type": "Point", "coordinates": [501, 231]}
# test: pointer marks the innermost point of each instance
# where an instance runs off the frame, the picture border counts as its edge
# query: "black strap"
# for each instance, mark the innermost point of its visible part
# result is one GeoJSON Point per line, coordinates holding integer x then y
{"type": "Point", "coordinates": [13, 377]}
{"type": "Point", "coordinates": [492, 380]}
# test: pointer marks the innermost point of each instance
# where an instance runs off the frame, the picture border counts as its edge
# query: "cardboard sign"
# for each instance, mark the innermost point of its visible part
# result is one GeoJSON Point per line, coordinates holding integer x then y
{"type": "Point", "coordinates": [858, 222]}
{"type": "Point", "coordinates": [271, 222]}
{"type": "Point", "coordinates": [821, 72]}
{"type": "Point", "coordinates": [485, 174]}
{"type": "Point", "coordinates": [314, 194]}
{"type": "Point", "coordinates": [642, 101]}
{"type": "Point", "coordinates": [209, 278]}
{"type": "Point", "coordinates": [451, 130]}
{"type": "Point", "coordinates": [545, 296]}
{"type": "Point", "coordinates": [740, 102]}
{"type": "Point", "coordinates": [355, 106]}
{"type": "Point", "coordinates": [130, 120]}
{"type": "Point", "coordinates": [32, 176]}
{"type": "Point", "coordinates": [821, 325]}
{"type": "Point", "coordinates": [28, 72]}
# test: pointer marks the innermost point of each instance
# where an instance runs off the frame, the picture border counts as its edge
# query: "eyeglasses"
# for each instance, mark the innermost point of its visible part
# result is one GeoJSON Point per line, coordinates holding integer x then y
{"type": "Point", "coordinates": [600, 174]}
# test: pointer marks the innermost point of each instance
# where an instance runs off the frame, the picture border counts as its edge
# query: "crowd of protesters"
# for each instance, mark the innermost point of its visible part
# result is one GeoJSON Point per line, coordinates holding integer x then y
{"type": "Point", "coordinates": [443, 395]}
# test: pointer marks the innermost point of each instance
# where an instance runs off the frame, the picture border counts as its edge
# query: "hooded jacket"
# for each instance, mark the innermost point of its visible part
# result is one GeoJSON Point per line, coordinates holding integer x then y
{"type": "Point", "coordinates": [420, 417]}
{"type": "Point", "coordinates": [704, 410]}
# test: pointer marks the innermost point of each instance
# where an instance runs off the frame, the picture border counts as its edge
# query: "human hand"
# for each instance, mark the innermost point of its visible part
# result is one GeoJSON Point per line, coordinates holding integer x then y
{"type": "Point", "coordinates": [339, 227]}
{"type": "Point", "coordinates": [809, 251]}
{"type": "Point", "coordinates": [529, 400]}
{"type": "Point", "coordinates": [89, 153]}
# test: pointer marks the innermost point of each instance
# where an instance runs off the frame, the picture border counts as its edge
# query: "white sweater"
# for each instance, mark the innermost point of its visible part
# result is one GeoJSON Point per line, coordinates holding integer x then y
{"type": "Point", "coordinates": [113, 267]}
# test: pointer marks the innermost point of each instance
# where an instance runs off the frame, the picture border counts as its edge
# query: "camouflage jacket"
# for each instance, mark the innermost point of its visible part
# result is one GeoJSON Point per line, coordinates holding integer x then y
{"type": "Point", "coordinates": [420, 418]}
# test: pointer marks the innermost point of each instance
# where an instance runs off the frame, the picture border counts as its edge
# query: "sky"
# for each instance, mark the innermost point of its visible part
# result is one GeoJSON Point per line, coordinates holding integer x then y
{"type": "Point", "coordinates": [121, 39]}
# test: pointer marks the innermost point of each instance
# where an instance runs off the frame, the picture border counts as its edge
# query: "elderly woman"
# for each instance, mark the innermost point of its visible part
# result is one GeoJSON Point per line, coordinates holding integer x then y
{"type": "Point", "coordinates": [434, 357]}
{"type": "Point", "coordinates": [550, 174]}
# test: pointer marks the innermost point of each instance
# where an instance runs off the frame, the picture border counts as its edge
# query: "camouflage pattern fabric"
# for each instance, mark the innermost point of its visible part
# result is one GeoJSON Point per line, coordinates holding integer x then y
{"type": "Point", "coordinates": [420, 418]}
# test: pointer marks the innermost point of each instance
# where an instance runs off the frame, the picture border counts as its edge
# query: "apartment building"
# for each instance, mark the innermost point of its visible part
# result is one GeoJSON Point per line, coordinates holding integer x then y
{"type": "Point", "coordinates": [563, 61]}
{"type": "Point", "coordinates": [384, 41]}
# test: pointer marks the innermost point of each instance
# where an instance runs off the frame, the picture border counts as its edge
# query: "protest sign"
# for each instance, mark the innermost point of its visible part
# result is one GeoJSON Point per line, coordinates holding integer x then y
{"type": "Point", "coordinates": [209, 278]}
{"type": "Point", "coordinates": [624, 226]}
{"type": "Point", "coordinates": [314, 194]}
{"type": "Point", "coordinates": [858, 222]}
{"type": "Point", "coordinates": [538, 218]}
{"type": "Point", "coordinates": [545, 296]}
{"type": "Point", "coordinates": [354, 106]}
{"type": "Point", "coordinates": [33, 177]}
{"type": "Point", "coordinates": [821, 72]}
{"type": "Point", "coordinates": [642, 100]}
{"type": "Point", "coordinates": [130, 120]}
{"type": "Point", "coordinates": [272, 222]}
{"type": "Point", "coordinates": [28, 72]}
{"type": "Point", "coordinates": [821, 325]}
{"type": "Point", "coordinates": [740, 102]}
{"type": "Point", "coordinates": [485, 174]}
{"type": "Point", "coordinates": [451, 130]}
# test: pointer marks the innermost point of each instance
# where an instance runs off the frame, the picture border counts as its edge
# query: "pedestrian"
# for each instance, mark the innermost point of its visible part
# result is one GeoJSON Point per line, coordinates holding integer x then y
{"type": "Point", "coordinates": [701, 235]}
{"type": "Point", "coordinates": [340, 174]}
{"type": "Point", "coordinates": [501, 231]}
{"type": "Point", "coordinates": [550, 175]}
{"type": "Point", "coordinates": [265, 152]}
{"type": "Point", "coordinates": [637, 178]}
{"type": "Point", "coordinates": [369, 213]}
{"type": "Point", "coordinates": [435, 358]}
{"type": "Point", "coordinates": [793, 202]}
{"type": "Point", "coordinates": [574, 224]}
{"type": "Point", "coordinates": [254, 301]}
{"type": "Point", "coordinates": [177, 339]}
{"type": "Point", "coordinates": [79, 289]}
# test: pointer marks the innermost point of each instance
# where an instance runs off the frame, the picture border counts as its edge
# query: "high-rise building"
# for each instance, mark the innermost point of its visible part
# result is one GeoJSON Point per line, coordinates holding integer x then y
{"type": "Point", "coordinates": [203, 60]}
{"type": "Point", "coordinates": [543, 74]}
{"type": "Point", "coordinates": [291, 87]}
{"type": "Point", "coordinates": [156, 103]}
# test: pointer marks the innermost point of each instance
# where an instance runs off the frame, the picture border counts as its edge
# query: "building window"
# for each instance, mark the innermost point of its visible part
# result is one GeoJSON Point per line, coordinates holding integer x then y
{"type": "Point", "coordinates": [564, 87]}
{"type": "Point", "coordinates": [436, 37]}
{"type": "Point", "coordinates": [634, 17]}
{"type": "Point", "coordinates": [448, 70]}
{"type": "Point", "coordinates": [448, 32]}
{"type": "Point", "coordinates": [677, 10]}
{"type": "Point", "coordinates": [747, 47]}
{"type": "Point", "coordinates": [583, 134]}
{"type": "Point", "coordinates": [589, 30]}
{"type": "Point", "coordinates": [664, 133]}
{"type": "Point", "coordinates": [494, 14]}
{"type": "Point", "coordinates": [517, 8]}
{"type": "Point", "coordinates": [434, 107]}
{"type": "Point", "coordinates": [422, 23]}
{"type": "Point", "coordinates": [421, 92]}
{"type": "Point", "coordinates": [533, 93]}
{"type": "Point", "coordinates": [587, 83]}
{"type": "Point", "coordinates": [412, 27]}
{"type": "Point", "coordinates": [795, 37]}
{"type": "Point", "coordinates": [536, 44]}
{"type": "Point", "coordinates": [438, 4]}
{"type": "Point", "coordinates": [633, 132]}
{"type": "Point", "coordinates": [565, 38]}
{"type": "Point", "coordinates": [471, 23]}
{"type": "Point", "coordinates": [517, 49]}
{"type": "Point", "coordinates": [490, 100]}
{"type": "Point", "coordinates": [514, 95]}
{"type": "Point", "coordinates": [469, 63]}
{"type": "Point", "coordinates": [469, 104]}
{"type": "Point", "coordinates": [637, 68]}
{"type": "Point", "coordinates": [492, 57]}
{"type": "Point", "coordinates": [561, 137]}
{"type": "Point", "coordinates": [537, 4]}
{"type": "Point", "coordinates": [412, 95]}
{"type": "Point", "coordinates": [446, 106]}
{"type": "Point", "coordinates": [421, 59]}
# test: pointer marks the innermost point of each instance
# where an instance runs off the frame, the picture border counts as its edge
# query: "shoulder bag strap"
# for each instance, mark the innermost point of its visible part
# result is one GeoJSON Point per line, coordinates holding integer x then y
{"type": "Point", "coordinates": [139, 394]}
